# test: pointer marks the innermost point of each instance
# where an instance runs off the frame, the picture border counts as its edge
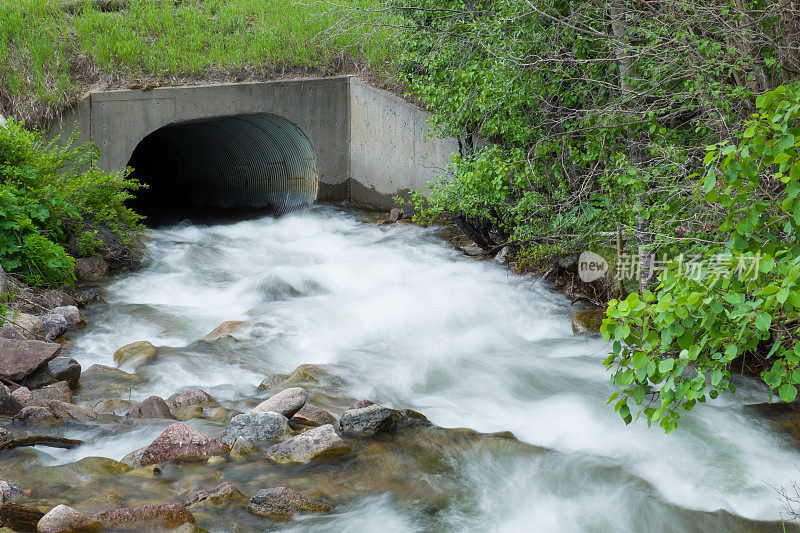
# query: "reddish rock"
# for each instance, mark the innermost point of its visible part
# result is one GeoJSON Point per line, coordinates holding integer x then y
{"type": "Point", "coordinates": [55, 411]}
{"type": "Point", "coordinates": [57, 391]}
{"type": "Point", "coordinates": [180, 442]}
{"type": "Point", "coordinates": [280, 503]}
{"type": "Point", "coordinates": [313, 416]}
{"type": "Point", "coordinates": [10, 492]}
{"type": "Point", "coordinates": [20, 358]}
{"type": "Point", "coordinates": [361, 404]}
{"type": "Point", "coordinates": [145, 517]}
{"type": "Point", "coordinates": [55, 298]}
{"type": "Point", "coordinates": [223, 491]}
{"type": "Point", "coordinates": [64, 519]}
{"type": "Point", "coordinates": [193, 397]}
{"type": "Point", "coordinates": [91, 268]}
{"type": "Point", "coordinates": [226, 328]}
{"type": "Point", "coordinates": [7, 332]}
{"type": "Point", "coordinates": [152, 407]}
{"type": "Point", "coordinates": [34, 414]}
{"type": "Point", "coordinates": [9, 404]}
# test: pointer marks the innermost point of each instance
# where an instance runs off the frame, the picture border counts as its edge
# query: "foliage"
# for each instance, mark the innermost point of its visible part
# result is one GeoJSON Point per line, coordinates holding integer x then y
{"type": "Point", "coordinates": [675, 348]}
{"type": "Point", "coordinates": [43, 185]}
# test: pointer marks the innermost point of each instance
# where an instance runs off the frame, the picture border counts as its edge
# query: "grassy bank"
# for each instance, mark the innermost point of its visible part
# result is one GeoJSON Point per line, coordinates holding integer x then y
{"type": "Point", "coordinates": [49, 54]}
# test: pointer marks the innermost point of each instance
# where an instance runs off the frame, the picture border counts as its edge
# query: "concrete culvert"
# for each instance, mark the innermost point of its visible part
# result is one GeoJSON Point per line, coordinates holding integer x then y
{"type": "Point", "coordinates": [206, 166]}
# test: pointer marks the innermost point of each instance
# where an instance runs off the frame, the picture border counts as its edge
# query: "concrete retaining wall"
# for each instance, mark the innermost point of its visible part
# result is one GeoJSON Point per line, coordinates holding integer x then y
{"type": "Point", "coordinates": [368, 144]}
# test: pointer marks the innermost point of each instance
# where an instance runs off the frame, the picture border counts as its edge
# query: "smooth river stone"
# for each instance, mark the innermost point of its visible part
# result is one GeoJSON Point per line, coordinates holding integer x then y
{"type": "Point", "coordinates": [152, 407]}
{"type": "Point", "coordinates": [135, 353]}
{"type": "Point", "coordinates": [280, 503]}
{"type": "Point", "coordinates": [367, 421]}
{"type": "Point", "coordinates": [193, 397]}
{"type": "Point", "coordinates": [62, 519]}
{"type": "Point", "coordinates": [145, 517]}
{"type": "Point", "coordinates": [317, 443]}
{"type": "Point", "coordinates": [287, 402]}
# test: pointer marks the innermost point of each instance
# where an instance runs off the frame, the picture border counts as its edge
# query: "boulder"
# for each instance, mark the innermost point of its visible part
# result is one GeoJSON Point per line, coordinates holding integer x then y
{"type": "Point", "coordinates": [180, 442]}
{"type": "Point", "coordinates": [135, 354]}
{"type": "Point", "coordinates": [367, 421]}
{"type": "Point", "coordinates": [193, 397]}
{"type": "Point", "coordinates": [33, 414]}
{"type": "Point", "coordinates": [19, 359]}
{"type": "Point", "coordinates": [280, 503]}
{"type": "Point", "coordinates": [30, 326]}
{"type": "Point", "coordinates": [100, 381]}
{"type": "Point", "coordinates": [313, 416]}
{"type": "Point", "coordinates": [287, 402]}
{"type": "Point", "coordinates": [63, 519]}
{"type": "Point", "coordinates": [222, 493]}
{"type": "Point", "coordinates": [134, 459]}
{"type": "Point", "coordinates": [54, 325]}
{"type": "Point", "coordinates": [226, 328]}
{"type": "Point", "coordinates": [10, 492]}
{"type": "Point", "coordinates": [588, 322]}
{"type": "Point", "coordinates": [57, 391]}
{"type": "Point", "coordinates": [145, 517]}
{"type": "Point", "coordinates": [19, 518]}
{"type": "Point", "coordinates": [55, 411]}
{"type": "Point", "coordinates": [22, 395]}
{"type": "Point", "coordinates": [408, 418]}
{"type": "Point", "coordinates": [258, 428]}
{"type": "Point", "coordinates": [9, 406]}
{"type": "Point", "coordinates": [55, 298]}
{"type": "Point", "coordinates": [317, 443]}
{"type": "Point", "coordinates": [152, 407]}
{"type": "Point", "coordinates": [395, 214]}
{"type": "Point", "coordinates": [7, 332]}
{"type": "Point", "coordinates": [91, 268]}
{"type": "Point", "coordinates": [272, 381]}
{"type": "Point", "coordinates": [62, 368]}
{"type": "Point", "coordinates": [70, 314]}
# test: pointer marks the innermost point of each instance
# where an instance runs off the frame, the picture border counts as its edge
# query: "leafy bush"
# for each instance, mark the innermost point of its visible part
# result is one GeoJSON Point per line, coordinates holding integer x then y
{"type": "Point", "coordinates": [43, 186]}
{"type": "Point", "coordinates": [675, 347]}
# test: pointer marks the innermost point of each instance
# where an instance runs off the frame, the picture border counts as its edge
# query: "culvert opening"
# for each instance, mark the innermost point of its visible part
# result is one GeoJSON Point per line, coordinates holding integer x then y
{"type": "Point", "coordinates": [228, 166]}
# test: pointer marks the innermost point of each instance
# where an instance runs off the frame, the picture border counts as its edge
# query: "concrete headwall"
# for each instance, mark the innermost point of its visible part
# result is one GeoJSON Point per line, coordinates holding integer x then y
{"type": "Point", "coordinates": [368, 144]}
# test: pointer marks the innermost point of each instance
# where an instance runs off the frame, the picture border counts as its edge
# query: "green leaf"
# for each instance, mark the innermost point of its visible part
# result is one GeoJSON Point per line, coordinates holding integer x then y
{"type": "Point", "coordinates": [787, 392]}
{"type": "Point", "coordinates": [665, 365]}
{"type": "Point", "coordinates": [763, 321]}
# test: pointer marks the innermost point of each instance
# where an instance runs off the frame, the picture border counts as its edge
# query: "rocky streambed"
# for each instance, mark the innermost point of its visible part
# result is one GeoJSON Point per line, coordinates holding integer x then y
{"type": "Point", "coordinates": [317, 371]}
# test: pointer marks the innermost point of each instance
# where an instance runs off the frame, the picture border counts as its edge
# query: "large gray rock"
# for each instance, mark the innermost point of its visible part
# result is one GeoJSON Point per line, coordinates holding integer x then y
{"type": "Point", "coordinates": [280, 503]}
{"type": "Point", "coordinates": [70, 313]}
{"type": "Point", "coordinates": [152, 407]}
{"type": "Point", "coordinates": [145, 517]}
{"type": "Point", "coordinates": [19, 359]}
{"type": "Point", "coordinates": [29, 325]}
{"type": "Point", "coordinates": [367, 421]}
{"type": "Point", "coordinates": [55, 298]}
{"type": "Point", "coordinates": [317, 443]}
{"type": "Point", "coordinates": [9, 406]}
{"type": "Point", "coordinates": [63, 519]}
{"type": "Point", "coordinates": [287, 402]}
{"type": "Point", "coordinates": [54, 325]}
{"type": "Point", "coordinates": [180, 442]}
{"type": "Point", "coordinates": [62, 368]}
{"type": "Point", "coordinates": [258, 428]}
{"type": "Point", "coordinates": [313, 416]}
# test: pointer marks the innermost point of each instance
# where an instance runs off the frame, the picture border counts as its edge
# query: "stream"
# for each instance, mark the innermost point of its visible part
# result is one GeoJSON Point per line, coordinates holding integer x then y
{"type": "Point", "coordinates": [396, 315]}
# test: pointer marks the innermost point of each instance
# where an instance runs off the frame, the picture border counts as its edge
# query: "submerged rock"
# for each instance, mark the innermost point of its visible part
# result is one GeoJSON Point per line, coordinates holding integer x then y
{"type": "Point", "coordinates": [19, 517]}
{"type": "Point", "coordinates": [100, 381]}
{"type": "Point", "coordinates": [19, 359]}
{"type": "Point", "coordinates": [243, 448]}
{"type": "Point", "coordinates": [367, 421]}
{"type": "Point", "coordinates": [258, 428]}
{"type": "Point", "coordinates": [62, 368]}
{"type": "Point", "coordinates": [10, 492]}
{"type": "Point", "coordinates": [135, 354]}
{"type": "Point", "coordinates": [272, 381]}
{"type": "Point", "coordinates": [182, 443]}
{"type": "Point", "coordinates": [187, 413]}
{"type": "Point", "coordinates": [219, 495]}
{"type": "Point", "coordinates": [287, 402]}
{"type": "Point", "coordinates": [152, 407]}
{"type": "Point", "coordinates": [134, 459]}
{"type": "Point", "coordinates": [280, 503]}
{"type": "Point", "coordinates": [111, 406]}
{"type": "Point", "coordinates": [145, 517]}
{"type": "Point", "coordinates": [193, 397]}
{"type": "Point", "coordinates": [317, 443]}
{"type": "Point", "coordinates": [588, 322]}
{"type": "Point", "coordinates": [64, 519]}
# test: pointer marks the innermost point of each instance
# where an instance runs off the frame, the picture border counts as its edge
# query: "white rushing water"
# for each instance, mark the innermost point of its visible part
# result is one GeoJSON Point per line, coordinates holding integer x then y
{"type": "Point", "coordinates": [407, 321]}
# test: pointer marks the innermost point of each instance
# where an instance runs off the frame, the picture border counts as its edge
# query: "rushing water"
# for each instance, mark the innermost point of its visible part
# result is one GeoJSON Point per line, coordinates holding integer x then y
{"type": "Point", "coordinates": [400, 317]}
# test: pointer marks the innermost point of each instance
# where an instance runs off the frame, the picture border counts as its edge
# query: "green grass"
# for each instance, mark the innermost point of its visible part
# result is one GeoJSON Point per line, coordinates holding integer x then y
{"type": "Point", "coordinates": [48, 55]}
